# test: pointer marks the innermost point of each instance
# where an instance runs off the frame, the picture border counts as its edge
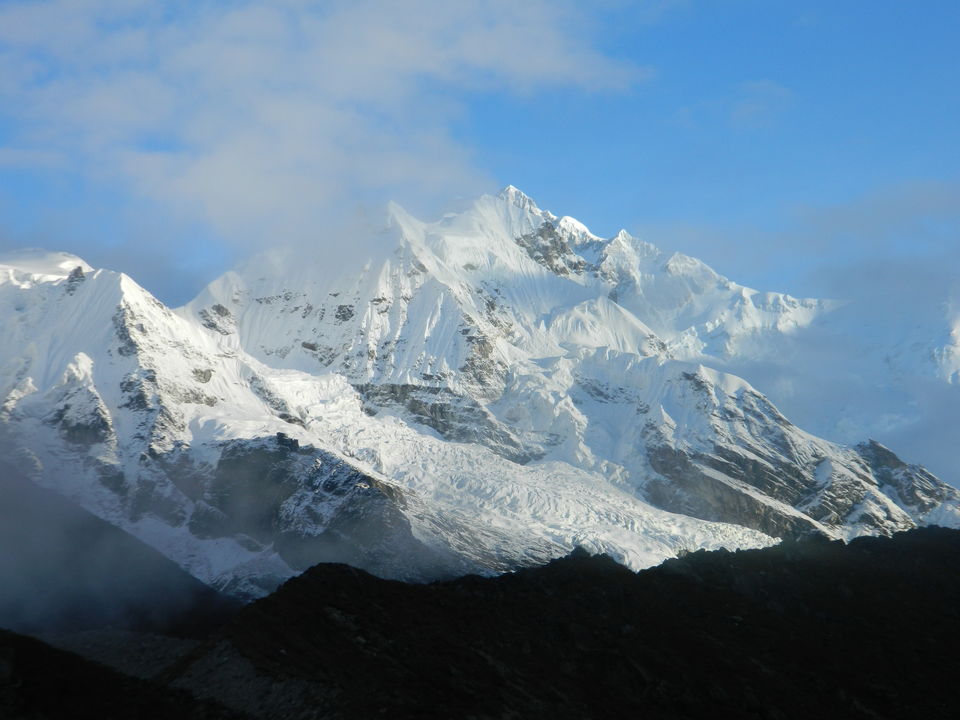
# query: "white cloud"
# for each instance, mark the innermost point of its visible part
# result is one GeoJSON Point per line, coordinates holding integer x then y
{"type": "Point", "coordinates": [275, 115]}
{"type": "Point", "coordinates": [22, 158]}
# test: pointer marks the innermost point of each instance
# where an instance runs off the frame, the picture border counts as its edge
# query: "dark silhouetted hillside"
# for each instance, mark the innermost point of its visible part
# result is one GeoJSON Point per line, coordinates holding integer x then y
{"type": "Point", "coordinates": [806, 629]}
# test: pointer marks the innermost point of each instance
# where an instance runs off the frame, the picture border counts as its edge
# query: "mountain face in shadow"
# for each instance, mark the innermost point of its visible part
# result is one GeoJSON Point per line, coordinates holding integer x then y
{"type": "Point", "coordinates": [64, 569]}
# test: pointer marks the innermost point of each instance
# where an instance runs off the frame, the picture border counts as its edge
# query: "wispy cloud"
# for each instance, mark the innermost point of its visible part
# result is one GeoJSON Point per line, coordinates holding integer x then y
{"type": "Point", "coordinates": [758, 103]}
{"type": "Point", "coordinates": [870, 368]}
{"type": "Point", "coordinates": [746, 106]}
{"type": "Point", "coordinates": [912, 216]}
{"type": "Point", "coordinates": [266, 119]}
{"type": "Point", "coordinates": [28, 158]}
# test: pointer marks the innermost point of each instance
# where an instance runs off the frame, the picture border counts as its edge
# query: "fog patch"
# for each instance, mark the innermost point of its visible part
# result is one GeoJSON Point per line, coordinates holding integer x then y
{"type": "Point", "coordinates": [62, 569]}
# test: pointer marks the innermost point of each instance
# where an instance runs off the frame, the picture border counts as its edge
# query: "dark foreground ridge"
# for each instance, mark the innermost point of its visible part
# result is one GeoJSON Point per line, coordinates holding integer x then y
{"type": "Point", "coordinates": [806, 629]}
{"type": "Point", "coordinates": [38, 682]}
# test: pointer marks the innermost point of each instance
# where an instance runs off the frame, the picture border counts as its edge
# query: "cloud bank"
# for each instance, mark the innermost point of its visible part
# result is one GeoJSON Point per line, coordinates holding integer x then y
{"type": "Point", "coordinates": [267, 121]}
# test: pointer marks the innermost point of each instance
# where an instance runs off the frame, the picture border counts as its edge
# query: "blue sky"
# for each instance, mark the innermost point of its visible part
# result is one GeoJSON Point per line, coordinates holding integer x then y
{"type": "Point", "coordinates": [782, 142]}
{"type": "Point", "coordinates": [760, 119]}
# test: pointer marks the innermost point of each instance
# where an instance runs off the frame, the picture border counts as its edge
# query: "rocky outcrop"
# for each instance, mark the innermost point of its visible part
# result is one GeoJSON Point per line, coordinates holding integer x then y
{"type": "Point", "coordinates": [310, 506]}
{"type": "Point", "coordinates": [691, 488]}
{"type": "Point", "coordinates": [552, 250]}
{"type": "Point", "coordinates": [457, 418]}
{"type": "Point", "coordinates": [912, 487]}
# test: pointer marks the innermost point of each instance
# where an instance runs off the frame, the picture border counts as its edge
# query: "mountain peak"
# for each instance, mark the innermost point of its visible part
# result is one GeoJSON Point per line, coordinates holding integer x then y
{"type": "Point", "coordinates": [517, 197]}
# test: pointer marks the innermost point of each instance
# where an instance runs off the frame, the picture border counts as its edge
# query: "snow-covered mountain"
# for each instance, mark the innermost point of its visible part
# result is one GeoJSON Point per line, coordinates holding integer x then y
{"type": "Point", "coordinates": [475, 393]}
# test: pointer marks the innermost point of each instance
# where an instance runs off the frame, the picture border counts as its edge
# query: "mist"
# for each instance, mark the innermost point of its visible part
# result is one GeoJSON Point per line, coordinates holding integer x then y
{"type": "Point", "coordinates": [889, 259]}
{"type": "Point", "coordinates": [63, 569]}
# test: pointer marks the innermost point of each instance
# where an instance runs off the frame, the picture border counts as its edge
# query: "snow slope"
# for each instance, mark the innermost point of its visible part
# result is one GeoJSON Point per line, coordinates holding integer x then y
{"type": "Point", "coordinates": [148, 419]}
{"type": "Point", "coordinates": [481, 392]}
{"type": "Point", "coordinates": [510, 327]}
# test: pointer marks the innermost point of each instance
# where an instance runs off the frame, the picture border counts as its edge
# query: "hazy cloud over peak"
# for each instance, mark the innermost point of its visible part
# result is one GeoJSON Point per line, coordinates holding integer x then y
{"type": "Point", "coordinates": [268, 118]}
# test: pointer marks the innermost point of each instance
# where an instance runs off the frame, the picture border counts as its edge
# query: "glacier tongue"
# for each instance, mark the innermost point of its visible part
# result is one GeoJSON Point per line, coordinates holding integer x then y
{"type": "Point", "coordinates": [481, 392]}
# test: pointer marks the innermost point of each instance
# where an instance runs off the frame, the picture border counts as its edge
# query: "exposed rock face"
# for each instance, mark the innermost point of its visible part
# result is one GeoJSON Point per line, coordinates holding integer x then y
{"type": "Point", "coordinates": [912, 487]}
{"type": "Point", "coordinates": [455, 417]}
{"type": "Point", "coordinates": [763, 472]}
{"type": "Point", "coordinates": [692, 489]}
{"type": "Point", "coordinates": [75, 277]}
{"type": "Point", "coordinates": [218, 318]}
{"type": "Point", "coordinates": [551, 249]}
{"type": "Point", "coordinates": [311, 507]}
